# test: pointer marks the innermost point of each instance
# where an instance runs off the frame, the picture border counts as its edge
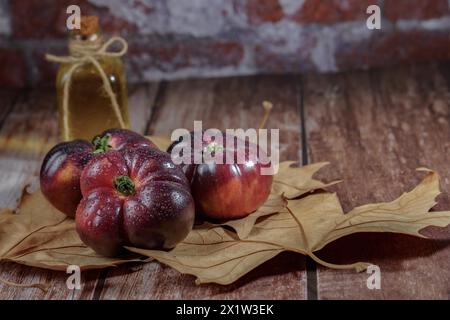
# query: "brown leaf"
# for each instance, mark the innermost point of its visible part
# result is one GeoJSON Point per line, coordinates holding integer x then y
{"type": "Point", "coordinates": [41, 236]}
{"type": "Point", "coordinates": [294, 181]}
{"type": "Point", "coordinates": [407, 214]}
{"type": "Point", "coordinates": [290, 182]}
{"type": "Point", "coordinates": [274, 204]}
{"type": "Point", "coordinates": [214, 254]}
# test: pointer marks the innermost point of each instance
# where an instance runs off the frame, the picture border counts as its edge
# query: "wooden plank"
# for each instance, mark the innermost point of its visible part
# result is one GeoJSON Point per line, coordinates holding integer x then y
{"type": "Point", "coordinates": [140, 102]}
{"type": "Point", "coordinates": [221, 103]}
{"type": "Point", "coordinates": [28, 132]}
{"type": "Point", "coordinates": [7, 99]}
{"type": "Point", "coordinates": [233, 103]}
{"type": "Point", "coordinates": [376, 128]}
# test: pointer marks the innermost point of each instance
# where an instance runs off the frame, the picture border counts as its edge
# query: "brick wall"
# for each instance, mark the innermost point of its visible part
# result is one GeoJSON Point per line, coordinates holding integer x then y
{"type": "Point", "coordinates": [182, 38]}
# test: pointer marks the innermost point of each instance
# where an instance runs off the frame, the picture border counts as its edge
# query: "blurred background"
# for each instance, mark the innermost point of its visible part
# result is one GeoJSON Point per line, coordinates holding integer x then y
{"type": "Point", "coordinates": [172, 39]}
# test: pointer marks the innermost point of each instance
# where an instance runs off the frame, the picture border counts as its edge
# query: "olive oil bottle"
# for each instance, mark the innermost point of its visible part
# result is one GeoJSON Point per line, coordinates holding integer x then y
{"type": "Point", "coordinates": [89, 109]}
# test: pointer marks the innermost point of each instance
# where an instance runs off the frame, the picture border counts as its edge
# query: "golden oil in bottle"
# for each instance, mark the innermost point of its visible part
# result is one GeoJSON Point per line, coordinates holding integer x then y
{"type": "Point", "coordinates": [90, 109]}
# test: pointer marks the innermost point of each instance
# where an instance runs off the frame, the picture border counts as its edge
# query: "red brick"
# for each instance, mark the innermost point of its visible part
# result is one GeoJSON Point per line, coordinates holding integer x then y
{"type": "Point", "coordinates": [260, 11]}
{"type": "Point", "coordinates": [207, 54]}
{"type": "Point", "coordinates": [13, 72]}
{"type": "Point", "coordinates": [47, 18]}
{"type": "Point", "coordinates": [399, 47]}
{"type": "Point", "coordinates": [330, 11]}
{"type": "Point", "coordinates": [111, 24]}
{"type": "Point", "coordinates": [268, 61]}
{"type": "Point", "coordinates": [415, 9]}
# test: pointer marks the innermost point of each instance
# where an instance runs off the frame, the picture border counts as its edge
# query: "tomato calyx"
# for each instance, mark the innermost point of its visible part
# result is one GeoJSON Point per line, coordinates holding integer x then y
{"type": "Point", "coordinates": [124, 185]}
{"type": "Point", "coordinates": [101, 144]}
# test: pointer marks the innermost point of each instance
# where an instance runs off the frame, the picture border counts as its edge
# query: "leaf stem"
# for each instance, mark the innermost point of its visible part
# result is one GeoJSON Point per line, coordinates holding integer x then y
{"type": "Point", "coordinates": [40, 286]}
{"type": "Point", "coordinates": [359, 266]}
{"type": "Point", "coordinates": [267, 108]}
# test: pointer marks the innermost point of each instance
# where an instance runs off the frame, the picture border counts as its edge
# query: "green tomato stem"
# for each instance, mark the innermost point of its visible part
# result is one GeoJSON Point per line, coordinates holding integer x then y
{"type": "Point", "coordinates": [101, 144]}
{"type": "Point", "coordinates": [124, 185]}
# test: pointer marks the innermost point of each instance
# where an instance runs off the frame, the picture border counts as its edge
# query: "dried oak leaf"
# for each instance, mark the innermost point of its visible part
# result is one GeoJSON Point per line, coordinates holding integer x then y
{"type": "Point", "coordinates": [408, 214]}
{"type": "Point", "coordinates": [215, 254]}
{"type": "Point", "coordinates": [290, 182]}
{"type": "Point", "coordinates": [274, 204]}
{"type": "Point", "coordinates": [293, 181]}
{"type": "Point", "coordinates": [41, 236]}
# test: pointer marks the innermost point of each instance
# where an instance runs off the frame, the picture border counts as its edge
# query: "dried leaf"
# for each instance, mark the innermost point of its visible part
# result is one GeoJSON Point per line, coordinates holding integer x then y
{"type": "Point", "coordinates": [214, 254]}
{"type": "Point", "coordinates": [41, 236]}
{"type": "Point", "coordinates": [290, 182]}
{"type": "Point", "coordinates": [295, 181]}
{"type": "Point", "coordinates": [274, 204]}
{"type": "Point", "coordinates": [407, 214]}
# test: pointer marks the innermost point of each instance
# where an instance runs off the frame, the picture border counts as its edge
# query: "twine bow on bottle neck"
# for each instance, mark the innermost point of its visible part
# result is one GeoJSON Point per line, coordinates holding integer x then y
{"type": "Point", "coordinates": [80, 54]}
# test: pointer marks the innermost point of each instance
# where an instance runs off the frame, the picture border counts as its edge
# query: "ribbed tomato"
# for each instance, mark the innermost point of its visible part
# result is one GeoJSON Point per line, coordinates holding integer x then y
{"type": "Point", "coordinates": [133, 197]}
{"type": "Point", "coordinates": [224, 190]}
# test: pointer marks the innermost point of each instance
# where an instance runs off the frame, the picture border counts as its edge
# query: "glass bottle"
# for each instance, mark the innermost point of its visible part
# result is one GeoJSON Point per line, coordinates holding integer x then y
{"type": "Point", "coordinates": [90, 110]}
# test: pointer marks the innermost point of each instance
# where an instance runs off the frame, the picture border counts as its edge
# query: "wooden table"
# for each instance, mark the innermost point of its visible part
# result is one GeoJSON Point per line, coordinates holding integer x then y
{"type": "Point", "coordinates": [374, 127]}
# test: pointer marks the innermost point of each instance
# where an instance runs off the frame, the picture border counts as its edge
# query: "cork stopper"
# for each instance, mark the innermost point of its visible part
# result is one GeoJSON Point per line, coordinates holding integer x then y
{"type": "Point", "coordinates": [89, 25]}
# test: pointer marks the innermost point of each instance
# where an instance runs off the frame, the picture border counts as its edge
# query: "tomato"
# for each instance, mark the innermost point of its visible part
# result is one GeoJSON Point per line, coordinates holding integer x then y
{"type": "Point", "coordinates": [222, 190]}
{"type": "Point", "coordinates": [133, 197]}
{"type": "Point", "coordinates": [62, 166]}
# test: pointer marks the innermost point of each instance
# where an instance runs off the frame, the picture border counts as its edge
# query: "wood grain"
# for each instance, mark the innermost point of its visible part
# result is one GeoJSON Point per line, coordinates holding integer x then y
{"type": "Point", "coordinates": [7, 99]}
{"type": "Point", "coordinates": [233, 103]}
{"type": "Point", "coordinates": [221, 103]}
{"type": "Point", "coordinates": [376, 128]}
{"type": "Point", "coordinates": [140, 102]}
{"type": "Point", "coordinates": [28, 131]}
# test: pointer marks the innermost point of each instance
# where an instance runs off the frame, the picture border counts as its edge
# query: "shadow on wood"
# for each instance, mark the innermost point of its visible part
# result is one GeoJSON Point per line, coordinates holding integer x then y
{"type": "Point", "coordinates": [381, 247]}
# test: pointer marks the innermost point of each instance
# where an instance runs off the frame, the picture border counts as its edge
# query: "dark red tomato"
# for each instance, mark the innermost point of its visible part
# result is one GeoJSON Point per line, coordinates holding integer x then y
{"type": "Point", "coordinates": [135, 197]}
{"type": "Point", "coordinates": [62, 166]}
{"type": "Point", "coordinates": [118, 139]}
{"type": "Point", "coordinates": [224, 191]}
{"type": "Point", "coordinates": [60, 174]}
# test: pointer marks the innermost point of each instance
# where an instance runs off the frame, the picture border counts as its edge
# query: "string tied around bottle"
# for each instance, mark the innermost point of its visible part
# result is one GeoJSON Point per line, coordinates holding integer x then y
{"type": "Point", "coordinates": [80, 54]}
